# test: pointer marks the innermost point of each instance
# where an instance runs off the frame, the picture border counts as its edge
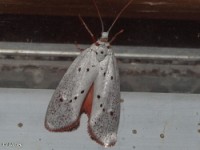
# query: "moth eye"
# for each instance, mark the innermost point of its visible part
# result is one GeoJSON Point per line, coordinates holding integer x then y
{"type": "Point", "coordinates": [79, 69]}
{"type": "Point", "coordinates": [70, 101]}
{"type": "Point", "coordinates": [101, 105]}
{"type": "Point", "coordinates": [75, 97]}
{"type": "Point", "coordinates": [102, 52]}
{"type": "Point", "coordinates": [88, 69]}
{"type": "Point", "coordinates": [104, 74]}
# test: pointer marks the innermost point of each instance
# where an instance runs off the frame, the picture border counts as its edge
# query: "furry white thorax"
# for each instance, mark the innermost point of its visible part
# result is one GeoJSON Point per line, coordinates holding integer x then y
{"type": "Point", "coordinates": [104, 35]}
{"type": "Point", "coordinates": [102, 49]}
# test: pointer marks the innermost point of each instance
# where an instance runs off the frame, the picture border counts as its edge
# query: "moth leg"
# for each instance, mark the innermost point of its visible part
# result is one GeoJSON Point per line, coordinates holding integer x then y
{"type": "Point", "coordinates": [78, 47]}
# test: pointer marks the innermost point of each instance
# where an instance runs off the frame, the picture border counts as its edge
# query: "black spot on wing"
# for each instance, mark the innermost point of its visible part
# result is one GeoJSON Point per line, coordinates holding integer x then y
{"type": "Point", "coordinates": [111, 77]}
{"type": "Point", "coordinates": [61, 100]}
{"type": "Point", "coordinates": [98, 96]}
{"type": "Point", "coordinates": [111, 113]}
{"type": "Point", "coordinates": [82, 91]}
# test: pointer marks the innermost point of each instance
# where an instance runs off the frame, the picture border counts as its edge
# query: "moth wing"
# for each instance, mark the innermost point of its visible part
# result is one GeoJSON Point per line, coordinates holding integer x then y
{"type": "Point", "coordinates": [105, 114]}
{"type": "Point", "coordinates": [64, 109]}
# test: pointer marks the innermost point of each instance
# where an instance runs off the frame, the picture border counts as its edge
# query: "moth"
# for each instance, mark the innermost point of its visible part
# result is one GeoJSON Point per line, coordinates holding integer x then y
{"type": "Point", "coordinates": [91, 85]}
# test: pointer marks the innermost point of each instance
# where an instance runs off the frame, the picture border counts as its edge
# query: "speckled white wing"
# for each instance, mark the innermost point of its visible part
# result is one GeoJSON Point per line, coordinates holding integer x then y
{"type": "Point", "coordinates": [105, 115]}
{"type": "Point", "coordinates": [63, 111]}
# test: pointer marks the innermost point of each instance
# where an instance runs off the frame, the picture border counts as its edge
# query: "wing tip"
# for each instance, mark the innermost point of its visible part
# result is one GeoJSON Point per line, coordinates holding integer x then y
{"type": "Point", "coordinates": [94, 138]}
{"type": "Point", "coordinates": [68, 128]}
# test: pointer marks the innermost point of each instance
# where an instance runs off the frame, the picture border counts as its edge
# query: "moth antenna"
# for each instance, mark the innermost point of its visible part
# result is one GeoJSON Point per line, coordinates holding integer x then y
{"type": "Point", "coordinates": [100, 18]}
{"type": "Point", "coordinates": [114, 37]}
{"type": "Point", "coordinates": [87, 28]}
{"type": "Point", "coordinates": [119, 14]}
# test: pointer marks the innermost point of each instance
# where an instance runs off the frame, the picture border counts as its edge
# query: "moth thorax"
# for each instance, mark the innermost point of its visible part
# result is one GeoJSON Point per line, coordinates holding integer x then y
{"type": "Point", "coordinates": [104, 36]}
{"type": "Point", "coordinates": [101, 52]}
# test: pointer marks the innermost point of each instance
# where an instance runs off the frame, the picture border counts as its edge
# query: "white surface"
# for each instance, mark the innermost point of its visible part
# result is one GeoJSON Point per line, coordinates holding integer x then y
{"type": "Point", "coordinates": [177, 116]}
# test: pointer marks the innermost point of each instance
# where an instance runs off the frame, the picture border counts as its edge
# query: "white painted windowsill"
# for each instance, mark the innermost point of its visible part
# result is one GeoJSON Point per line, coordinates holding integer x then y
{"type": "Point", "coordinates": [150, 121]}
